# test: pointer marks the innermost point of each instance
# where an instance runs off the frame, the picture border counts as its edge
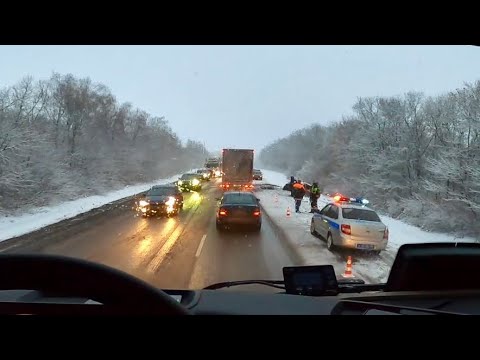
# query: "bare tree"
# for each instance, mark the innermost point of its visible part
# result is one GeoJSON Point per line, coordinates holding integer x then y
{"type": "Point", "coordinates": [68, 137]}
{"type": "Point", "coordinates": [417, 158]}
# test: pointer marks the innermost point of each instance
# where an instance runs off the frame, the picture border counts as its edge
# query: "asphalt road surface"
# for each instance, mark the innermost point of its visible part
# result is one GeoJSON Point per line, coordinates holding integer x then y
{"type": "Point", "coordinates": [172, 253]}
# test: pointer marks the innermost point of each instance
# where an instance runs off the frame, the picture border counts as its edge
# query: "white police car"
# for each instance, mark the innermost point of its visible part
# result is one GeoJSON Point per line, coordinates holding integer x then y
{"type": "Point", "coordinates": [349, 223]}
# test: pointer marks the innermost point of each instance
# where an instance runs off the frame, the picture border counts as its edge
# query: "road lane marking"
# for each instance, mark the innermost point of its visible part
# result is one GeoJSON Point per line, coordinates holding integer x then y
{"type": "Point", "coordinates": [172, 239]}
{"type": "Point", "coordinates": [9, 247]}
{"type": "Point", "coordinates": [155, 263]}
{"type": "Point", "coordinates": [199, 250]}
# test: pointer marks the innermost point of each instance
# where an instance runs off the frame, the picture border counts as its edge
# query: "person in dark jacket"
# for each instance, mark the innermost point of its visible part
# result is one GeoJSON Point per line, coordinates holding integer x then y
{"type": "Point", "coordinates": [314, 195]}
{"type": "Point", "coordinates": [298, 193]}
{"type": "Point", "coordinates": [289, 186]}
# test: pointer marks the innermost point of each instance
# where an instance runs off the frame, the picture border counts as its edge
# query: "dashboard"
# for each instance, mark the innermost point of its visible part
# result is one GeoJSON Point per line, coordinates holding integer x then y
{"type": "Point", "coordinates": [220, 302]}
{"type": "Point", "coordinates": [451, 286]}
{"type": "Point", "coordinates": [214, 302]}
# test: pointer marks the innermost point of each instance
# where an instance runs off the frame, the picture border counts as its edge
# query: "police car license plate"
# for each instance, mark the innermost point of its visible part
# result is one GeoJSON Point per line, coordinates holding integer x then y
{"type": "Point", "coordinates": [365, 246]}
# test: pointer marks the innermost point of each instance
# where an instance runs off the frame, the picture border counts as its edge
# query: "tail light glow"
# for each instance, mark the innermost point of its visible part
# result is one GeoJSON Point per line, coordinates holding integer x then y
{"type": "Point", "coordinates": [346, 229]}
{"type": "Point", "coordinates": [222, 212]}
{"type": "Point", "coordinates": [256, 213]}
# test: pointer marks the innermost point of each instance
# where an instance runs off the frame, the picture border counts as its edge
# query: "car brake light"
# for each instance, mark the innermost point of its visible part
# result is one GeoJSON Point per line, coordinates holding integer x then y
{"type": "Point", "coordinates": [346, 229]}
{"type": "Point", "coordinates": [256, 213]}
{"type": "Point", "coordinates": [222, 212]}
{"type": "Point", "coordinates": [385, 234]}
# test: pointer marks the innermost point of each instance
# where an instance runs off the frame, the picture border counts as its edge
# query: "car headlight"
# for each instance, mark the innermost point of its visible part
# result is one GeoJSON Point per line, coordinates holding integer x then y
{"type": "Point", "coordinates": [143, 203]}
{"type": "Point", "coordinates": [171, 201]}
{"type": "Point", "coordinates": [180, 182]}
{"type": "Point", "coordinates": [205, 176]}
{"type": "Point", "coordinates": [195, 182]}
{"type": "Point", "coordinates": [217, 173]}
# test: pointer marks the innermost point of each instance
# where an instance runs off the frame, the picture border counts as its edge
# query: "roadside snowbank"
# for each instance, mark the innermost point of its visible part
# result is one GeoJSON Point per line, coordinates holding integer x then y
{"type": "Point", "coordinates": [39, 217]}
{"type": "Point", "coordinates": [313, 250]}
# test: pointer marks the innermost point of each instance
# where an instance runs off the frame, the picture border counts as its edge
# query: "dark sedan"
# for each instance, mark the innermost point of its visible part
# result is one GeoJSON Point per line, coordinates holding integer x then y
{"type": "Point", "coordinates": [190, 182]}
{"type": "Point", "coordinates": [239, 208]}
{"type": "Point", "coordinates": [161, 200]}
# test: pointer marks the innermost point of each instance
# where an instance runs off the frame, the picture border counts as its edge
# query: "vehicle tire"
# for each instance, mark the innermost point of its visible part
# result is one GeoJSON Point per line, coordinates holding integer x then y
{"type": "Point", "coordinates": [330, 244]}
{"type": "Point", "coordinates": [219, 227]}
{"type": "Point", "coordinates": [257, 228]}
{"type": "Point", "coordinates": [376, 252]}
{"type": "Point", "coordinates": [312, 229]}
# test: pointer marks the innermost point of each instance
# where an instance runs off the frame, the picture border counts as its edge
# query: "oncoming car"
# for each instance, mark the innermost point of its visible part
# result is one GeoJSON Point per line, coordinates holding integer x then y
{"type": "Point", "coordinates": [189, 182]}
{"type": "Point", "coordinates": [161, 200]}
{"type": "Point", "coordinates": [350, 224]}
{"type": "Point", "coordinates": [205, 174]}
{"type": "Point", "coordinates": [239, 208]}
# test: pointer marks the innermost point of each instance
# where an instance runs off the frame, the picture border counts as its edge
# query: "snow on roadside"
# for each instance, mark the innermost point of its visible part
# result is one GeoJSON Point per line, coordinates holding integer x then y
{"type": "Point", "coordinates": [12, 226]}
{"type": "Point", "coordinates": [274, 178]}
{"type": "Point", "coordinates": [313, 250]}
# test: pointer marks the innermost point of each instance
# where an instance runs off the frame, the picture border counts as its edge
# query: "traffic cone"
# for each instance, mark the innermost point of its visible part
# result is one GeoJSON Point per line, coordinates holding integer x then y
{"type": "Point", "coordinates": [288, 211]}
{"type": "Point", "coordinates": [348, 269]}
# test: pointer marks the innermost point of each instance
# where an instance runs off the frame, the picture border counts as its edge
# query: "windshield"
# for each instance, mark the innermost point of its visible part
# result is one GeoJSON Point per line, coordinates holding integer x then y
{"type": "Point", "coordinates": [212, 165]}
{"type": "Point", "coordinates": [189, 176]}
{"type": "Point", "coordinates": [160, 192]}
{"type": "Point", "coordinates": [239, 199]}
{"type": "Point", "coordinates": [360, 214]}
{"type": "Point", "coordinates": [86, 131]}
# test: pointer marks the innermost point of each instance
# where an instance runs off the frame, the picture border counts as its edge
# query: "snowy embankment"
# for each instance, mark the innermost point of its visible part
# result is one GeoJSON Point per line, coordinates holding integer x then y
{"type": "Point", "coordinates": [12, 226]}
{"type": "Point", "coordinates": [313, 250]}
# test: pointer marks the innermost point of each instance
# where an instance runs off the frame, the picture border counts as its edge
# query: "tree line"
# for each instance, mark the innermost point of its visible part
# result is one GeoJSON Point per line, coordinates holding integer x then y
{"type": "Point", "coordinates": [415, 157]}
{"type": "Point", "coordinates": [68, 137]}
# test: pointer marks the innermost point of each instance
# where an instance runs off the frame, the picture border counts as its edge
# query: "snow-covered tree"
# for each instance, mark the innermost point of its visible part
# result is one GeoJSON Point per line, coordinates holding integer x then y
{"type": "Point", "coordinates": [415, 157]}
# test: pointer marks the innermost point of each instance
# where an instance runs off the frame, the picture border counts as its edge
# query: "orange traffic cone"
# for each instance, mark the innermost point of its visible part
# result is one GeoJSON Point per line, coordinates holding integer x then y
{"type": "Point", "coordinates": [288, 211]}
{"type": "Point", "coordinates": [348, 268]}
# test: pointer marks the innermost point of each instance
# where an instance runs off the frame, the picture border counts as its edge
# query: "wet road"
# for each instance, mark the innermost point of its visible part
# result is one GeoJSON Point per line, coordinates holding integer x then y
{"type": "Point", "coordinates": [179, 252]}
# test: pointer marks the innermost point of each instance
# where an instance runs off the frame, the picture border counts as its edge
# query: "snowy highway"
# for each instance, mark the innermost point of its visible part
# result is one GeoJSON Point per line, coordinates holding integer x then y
{"type": "Point", "coordinates": [178, 252]}
{"type": "Point", "coordinates": [187, 251]}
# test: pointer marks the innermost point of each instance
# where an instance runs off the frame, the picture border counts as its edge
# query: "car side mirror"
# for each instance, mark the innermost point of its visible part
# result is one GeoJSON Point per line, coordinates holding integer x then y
{"type": "Point", "coordinates": [258, 200]}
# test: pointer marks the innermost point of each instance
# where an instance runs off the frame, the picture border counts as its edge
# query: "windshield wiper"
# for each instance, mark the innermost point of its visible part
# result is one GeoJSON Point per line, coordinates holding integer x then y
{"type": "Point", "coordinates": [278, 284]}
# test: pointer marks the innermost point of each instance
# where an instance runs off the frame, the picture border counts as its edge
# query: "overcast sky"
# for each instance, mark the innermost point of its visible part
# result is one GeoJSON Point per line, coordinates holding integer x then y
{"type": "Point", "coordinates": [248, 96]}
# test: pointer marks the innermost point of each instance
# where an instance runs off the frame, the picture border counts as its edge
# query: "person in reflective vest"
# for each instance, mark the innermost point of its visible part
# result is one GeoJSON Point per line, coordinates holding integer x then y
{"type": "Point", "coordinates": [298, 193]}
{"type": "Point", "coordinates": [314, 195]}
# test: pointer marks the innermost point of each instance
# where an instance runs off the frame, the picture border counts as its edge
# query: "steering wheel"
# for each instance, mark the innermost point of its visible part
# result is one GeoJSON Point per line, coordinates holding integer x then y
{"type": "Point", "coordinates": [72, 277]}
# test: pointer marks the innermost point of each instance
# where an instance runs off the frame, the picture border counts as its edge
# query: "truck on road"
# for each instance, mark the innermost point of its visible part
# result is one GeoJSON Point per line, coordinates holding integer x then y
{"type": "Point", "coordinates": [214, 165]}
{"type": "Point", "coordinates": [237, 169]}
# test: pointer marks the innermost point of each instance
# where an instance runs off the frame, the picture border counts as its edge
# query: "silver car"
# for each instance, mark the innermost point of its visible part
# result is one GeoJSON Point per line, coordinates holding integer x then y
{"type": "Point", "coordinates": [350, 225]}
